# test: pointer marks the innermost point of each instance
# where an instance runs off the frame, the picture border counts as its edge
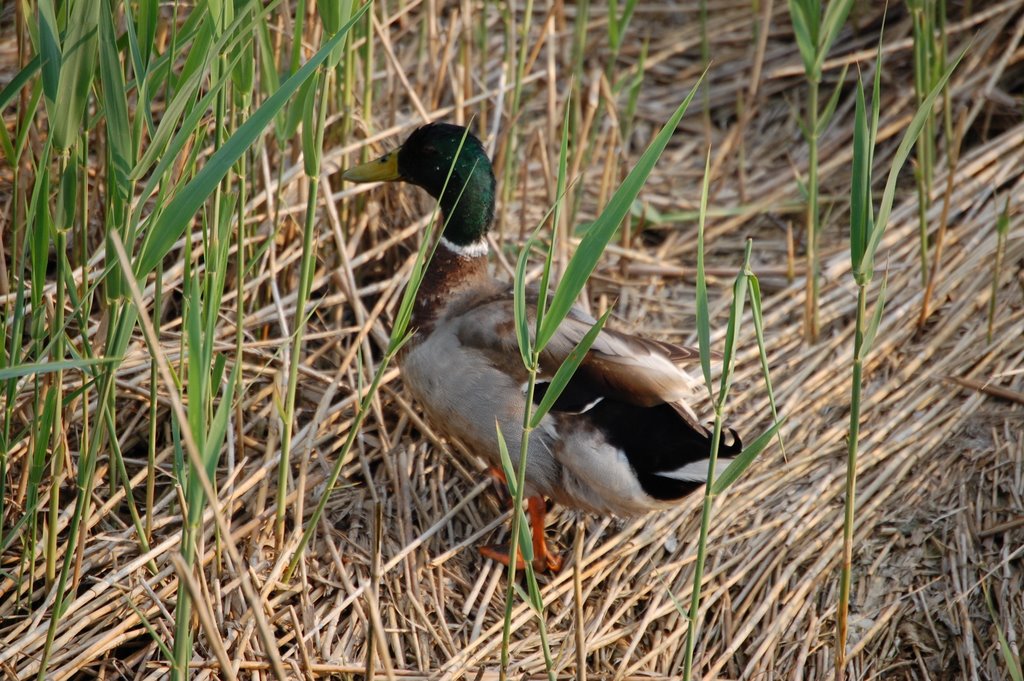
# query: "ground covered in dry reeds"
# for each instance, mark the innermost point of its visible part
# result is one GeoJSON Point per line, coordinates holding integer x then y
{"type": "Point", "coordinates": [392, 578]}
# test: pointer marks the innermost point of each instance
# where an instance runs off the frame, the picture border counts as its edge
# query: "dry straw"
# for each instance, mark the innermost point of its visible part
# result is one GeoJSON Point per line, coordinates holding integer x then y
{"type": "Point", "coordinates": [936, 537]}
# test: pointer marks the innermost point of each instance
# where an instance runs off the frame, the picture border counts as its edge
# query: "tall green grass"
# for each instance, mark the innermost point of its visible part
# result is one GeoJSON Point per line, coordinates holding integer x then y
{"type": "Point", "coordinates": [746, 283]}
{"type": "Point", "coordinates": [314, 100]}
{"type": "Point", "coordinates": [1002, 228]}
{"type": "Point", "coordinates": [547, 316]}
{"type": "Point", "coordinates": [96, 75]}
{"type": "Point", "coordinates": [866, 230]}
{"type": "Point", "coordinates": [550, 313]}
{"type": "Point", "coordinates": [815, 32]}
{"type": "Point", "coordinates": [929, 24]}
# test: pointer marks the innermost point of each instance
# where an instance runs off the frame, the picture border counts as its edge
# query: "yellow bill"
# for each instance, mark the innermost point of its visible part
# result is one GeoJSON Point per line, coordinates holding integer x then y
{"type": "Point", "coordinates": [383, 169]}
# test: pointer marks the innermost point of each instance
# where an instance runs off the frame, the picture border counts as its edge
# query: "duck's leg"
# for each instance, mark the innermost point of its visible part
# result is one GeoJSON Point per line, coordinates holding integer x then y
{"type": "Point", "coordinates": [543, 559]}
{"type": "Point", "coordinates": [537, 509]}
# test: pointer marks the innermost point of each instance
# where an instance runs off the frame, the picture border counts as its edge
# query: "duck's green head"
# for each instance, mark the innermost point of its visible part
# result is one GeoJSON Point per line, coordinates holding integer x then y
{"type": "Point", "coordinates": [424, 160]}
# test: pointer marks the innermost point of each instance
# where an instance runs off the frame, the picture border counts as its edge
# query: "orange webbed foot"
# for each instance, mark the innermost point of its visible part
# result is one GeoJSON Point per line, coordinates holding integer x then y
{"type": "Point", "coordinates": [549, 562]}
{"type": "Point", "coordinates": [543, 559]}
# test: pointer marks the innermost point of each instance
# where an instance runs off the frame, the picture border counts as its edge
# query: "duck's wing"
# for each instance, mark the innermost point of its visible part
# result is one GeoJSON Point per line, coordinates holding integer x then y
{"type": "Point", "coordinates": [640, 370]}
{"type": "Point", "coordinates": [627, 368]}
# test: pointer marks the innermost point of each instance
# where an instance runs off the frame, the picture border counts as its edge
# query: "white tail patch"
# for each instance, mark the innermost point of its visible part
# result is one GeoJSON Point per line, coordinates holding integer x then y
{"type": "Point", "coordinates": [695, 471]}
{"type": "Point", "coordinates": [590, 405]}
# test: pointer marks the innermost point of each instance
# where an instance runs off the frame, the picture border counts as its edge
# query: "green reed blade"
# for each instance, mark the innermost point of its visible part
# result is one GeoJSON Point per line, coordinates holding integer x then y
{"type": "Point", "coordinates": [703, 315]}
{"type": "Point", "coordinates": [732, 332]}
{"type": "Point", "coordinates": [754, 289]}
{"type": "Point", "coordinates": [49, 50]}
{"type": "Point", "coordinates": [832, 22]}
{"type": "Point", "coordinates": [27, 72]}
{"type": "Point", "coordinates": [876, 320]}
{"type": "Point", "coordinates": [861, 213]}
{"type": "Point", "coordinates": [519, 304]}
{"type": "Point", "coordinates": [525, 544]}
{"type": "Point", "coordinates": [21, 370]}
{"type": "Point", "coordinates": [584, 260]}
{"type": "Point", "coordinates": [115, 105]}
{"type": "Point", "coordinates": [825, 117]}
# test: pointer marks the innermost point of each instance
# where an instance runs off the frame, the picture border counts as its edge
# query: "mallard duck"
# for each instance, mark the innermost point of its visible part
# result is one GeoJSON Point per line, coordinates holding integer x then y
{"type": "Point", "coordinates": [620, 440]}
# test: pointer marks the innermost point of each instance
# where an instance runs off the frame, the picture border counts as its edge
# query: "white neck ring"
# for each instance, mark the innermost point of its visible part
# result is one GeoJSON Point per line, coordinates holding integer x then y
{"type": "Point", "coordinates": [473, 250]}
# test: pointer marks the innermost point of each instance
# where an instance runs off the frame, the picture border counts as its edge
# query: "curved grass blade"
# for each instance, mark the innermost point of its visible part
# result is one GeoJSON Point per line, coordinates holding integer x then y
{"type": "Point", "coordinates": [754, 289]}
{"type": "Point", "coordinates": [556, 218]}
{"type": "Point", "coordinates": [703, 313]}
{"type": "Point", "coordinates": [876, 320]}
{"type": "Point", "coordinates": [732, 333]}
{"type": "Point", "coordinates": [525, 543]}
{"type": "Point", "coordinates": [181, 136]}
{"type": "Point", "coordinates": [584, 260]}
{"type": "Point", "coordinates": [23, 76]}
{"type": "Point", "coordinates": [77, 68]}
{"type": "Point", "coordinates": [191, 77]}
{"type": "Point", "coordinates": [20, 370]}
{"type": "Point", "coordinates": [519, 304]}
{"type": "Point", "coordinates": [830, 108]}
